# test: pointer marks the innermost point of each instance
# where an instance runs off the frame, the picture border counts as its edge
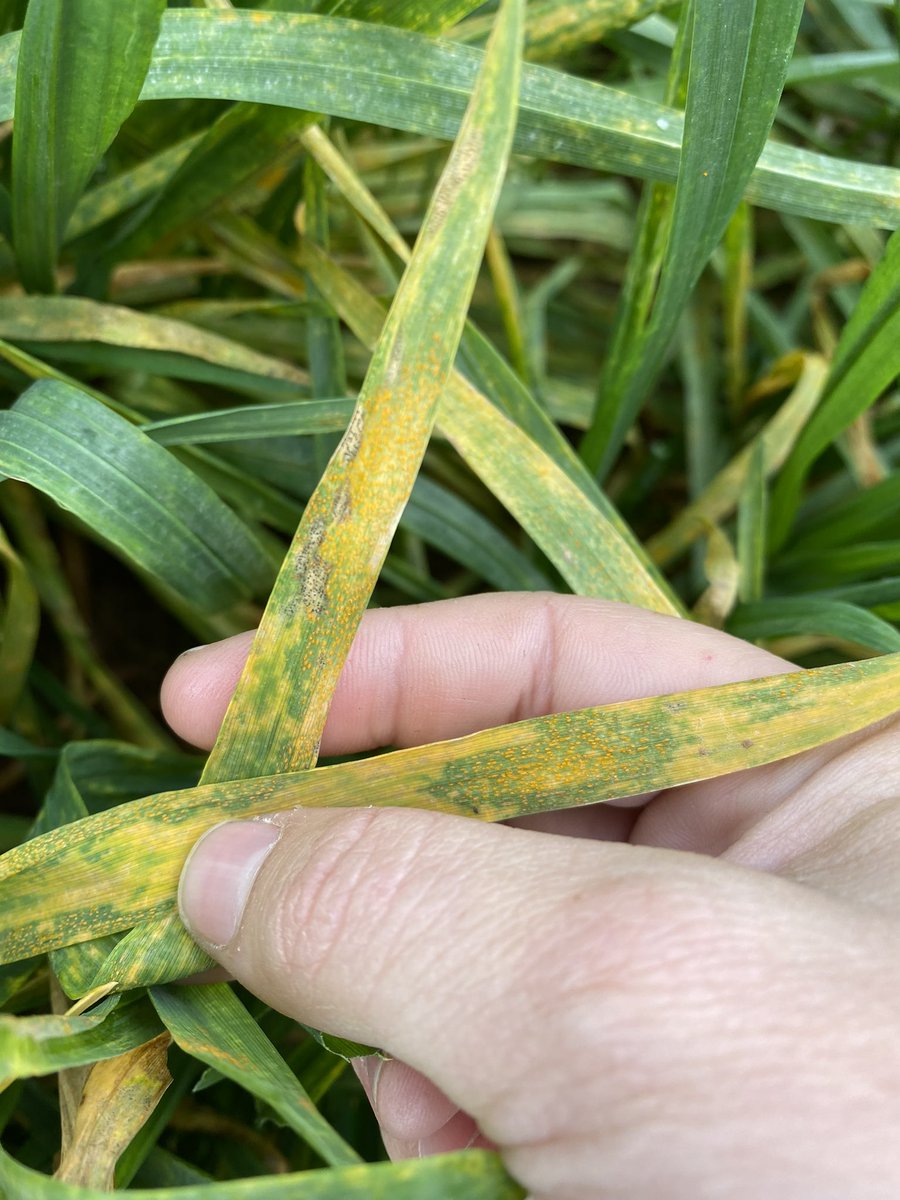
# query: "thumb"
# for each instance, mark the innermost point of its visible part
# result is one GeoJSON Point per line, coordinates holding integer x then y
{"type": "Point", "coordinates": [602, 1011]}
{"type": "Point", "coordinates": [458, 947]}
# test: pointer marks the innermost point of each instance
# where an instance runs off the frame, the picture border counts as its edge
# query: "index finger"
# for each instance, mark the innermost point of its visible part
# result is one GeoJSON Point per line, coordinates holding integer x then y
{"type": "Point", "coordinates": [425, 672]}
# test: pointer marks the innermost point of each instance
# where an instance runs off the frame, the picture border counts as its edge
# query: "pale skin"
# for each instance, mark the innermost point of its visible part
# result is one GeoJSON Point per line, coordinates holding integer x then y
{"type": "Point", "coordinates": [686, 996]}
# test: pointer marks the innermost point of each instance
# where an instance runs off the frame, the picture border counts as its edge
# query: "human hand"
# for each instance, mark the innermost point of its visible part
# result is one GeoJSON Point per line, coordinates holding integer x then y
{"type": "Point", "coordinates": [690, 995]}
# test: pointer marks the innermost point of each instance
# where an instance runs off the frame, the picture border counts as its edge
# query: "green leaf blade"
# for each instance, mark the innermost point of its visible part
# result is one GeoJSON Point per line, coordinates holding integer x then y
{"type": "Point", "coordinates": [471, 1175]}
{"type": "Point", "coordinates": [138, 498]}
{"type": "Point", "coordinates": [81, 66]}
{"type": "Point", "coordinates": [332, 566]}
{"type": "Point", "coordinates": [739, 56]}
{"type": "Point", "coordinates": [866, 362]}
{"type": "Point", "coordinates": [210, 1023]}
{"type": "Point", "coordinates": [562, 118]}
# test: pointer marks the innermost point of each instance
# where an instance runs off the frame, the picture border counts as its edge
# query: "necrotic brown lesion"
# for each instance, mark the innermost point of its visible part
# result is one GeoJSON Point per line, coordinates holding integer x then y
{"type": "Point", "coordinates": [352, 438]}
{"type": "Point", "coordinates": [312, 570]}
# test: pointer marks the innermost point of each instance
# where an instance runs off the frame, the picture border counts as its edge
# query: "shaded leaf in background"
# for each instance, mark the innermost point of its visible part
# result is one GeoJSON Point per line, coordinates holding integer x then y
{"type": "Point", "coordinates": [108, 200]}
{"type": "Point", "coordinates": [751, 529]}
{"type": "Point", "coordinates": [739, 53]}
{"type": "Point", "coordinates": [832, 619]}
{"type": "Point", "coordinates": [81, 65]}
{"type": "Point", "coordinates": [73, 327]}
{"type": "Point", "coordinates": [19, 625]}
{"type": "Point", "coordinates": [773, 444]}
{"type": "Point", "coordinates": [133, 494]}
{"type": "Point", "coordinates": [866, 362]}
{"type": "Point", "coordinates": [555, 28]}
{"type": "Point", "coordinates": [865, 515]}
{"type": "Point", "coordinates": [426, 16]}
{"type": "Point", "coordinates": [245, 141]}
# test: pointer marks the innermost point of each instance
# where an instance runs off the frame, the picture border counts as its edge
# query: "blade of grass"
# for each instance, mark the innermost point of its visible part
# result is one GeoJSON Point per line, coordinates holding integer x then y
{"type": "Point", "coordinates": [739, 53]}
{"type": "Point", "coordinates": [542, 483]}
{"type": "Point", "coordinates": [558, 110]}
{"type": "Point", "coordinates": [471, 1175]}
{"type": "Point", "coordinates": [721, 568]}
{"type": "Point", "coordinates": [737, 284]}
{"type": "Point", "coordinates": [339, 171]}
{"type": "Point", "coordinates": [40, 1045]}
{"type": "Point", "coordinates": [751, 529]}
{"type": "Point", "coordinates": [866, 516]}
{"type": "Point", "coordinates": [73, 884]}
{"type": "Point", "coordinates": [867, 65]}
{"type": "Point", "coordinates": [808, 567]}
{"type": "Point", "coordinates": [324, 345]}
{"type": "Point", "coordinates": [119, 1097]}
{"type": "Point", "coordinates": [211, 1024]}
{"type": "Point", "coordinates": [298, 417]}
{"type": "Point", "coordinates": [719, 499]}
{"type": "Point", "coordinates": [63, 319]}
{"type": "Point", "coordinates": [701, 372]}
{"type": "Point", "coordinates": [866, 362]}
{"type": "Point", "coordinates": [319, 598]}
{"type": "Point", "coordinates": [563, 119]}
{"type": "Point", "coordinates": [876, 594]}
{"type": "Point", "coordinates": [586, 548]}
{"type": "Point", "coordinates": [800, 615]}
{"type": "Point", "coordinates": [509, 302]}
{"type": "Point", "coordinates": [146, 505]}
{"type": "Point", "coordinates": [81, 65]}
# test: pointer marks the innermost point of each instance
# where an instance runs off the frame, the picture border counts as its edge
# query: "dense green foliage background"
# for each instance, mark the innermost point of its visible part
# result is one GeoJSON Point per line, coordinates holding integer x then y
{"type": "Point", "coordinates": [204, 214]}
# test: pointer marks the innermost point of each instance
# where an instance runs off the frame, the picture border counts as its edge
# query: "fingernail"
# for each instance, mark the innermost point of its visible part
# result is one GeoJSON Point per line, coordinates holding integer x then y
{"type": "Point", "coordinates": [218, 875]}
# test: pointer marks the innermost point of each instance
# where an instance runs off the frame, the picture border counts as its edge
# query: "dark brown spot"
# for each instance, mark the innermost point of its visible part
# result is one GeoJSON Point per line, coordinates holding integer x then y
{"type": "Point", "coordinates": [311, 569]}
{"type": "Point", "coordinates": [350, 443]}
